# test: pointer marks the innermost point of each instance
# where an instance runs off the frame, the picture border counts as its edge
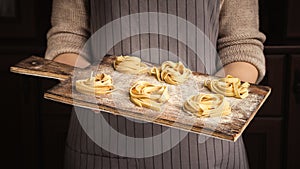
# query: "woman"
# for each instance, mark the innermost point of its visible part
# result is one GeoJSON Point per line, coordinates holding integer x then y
{"type": "Point", "coordinates": [232, 27]}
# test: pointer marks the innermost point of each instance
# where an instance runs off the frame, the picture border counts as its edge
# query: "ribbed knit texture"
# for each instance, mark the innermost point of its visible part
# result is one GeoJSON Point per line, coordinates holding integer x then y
{"type": "Point", "coordinates": [70, 28]}
{"type": "Point", "coordinates": [239, 35]}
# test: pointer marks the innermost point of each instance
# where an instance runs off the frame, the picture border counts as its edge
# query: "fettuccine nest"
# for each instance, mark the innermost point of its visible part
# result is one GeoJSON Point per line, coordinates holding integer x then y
{"type": "Point", "coordinates": [145, 94]}
{"type": "Point", "coordinates": [228, 86]}
{"type": "Point", "coordinates": [172, 73]}
{"type": "Point", "coordinates": [130, 65]}
{"type": "Point", "coordinates": [97, 85]}
{"type": "Point", "coordinates": [207, 105]}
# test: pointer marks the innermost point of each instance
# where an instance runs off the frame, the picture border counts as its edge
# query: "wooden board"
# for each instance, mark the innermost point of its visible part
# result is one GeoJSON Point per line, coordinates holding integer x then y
{"type": "Point", "coordinates": [38, 66]}
{"type": "Point", "coordinates": [227, 127]}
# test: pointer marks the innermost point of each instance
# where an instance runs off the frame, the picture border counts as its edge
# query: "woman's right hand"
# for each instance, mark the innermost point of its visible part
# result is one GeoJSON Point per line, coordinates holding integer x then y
{"type": "Point", "coordinates": [72, 59]}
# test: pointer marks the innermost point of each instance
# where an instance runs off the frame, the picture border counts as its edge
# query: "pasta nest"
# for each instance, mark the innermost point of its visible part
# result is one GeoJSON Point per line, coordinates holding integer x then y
{"type": "Point", "coordinates": [99, 84]}
{"type": "Point", "coordinates": [207, 105]}
{"type": "Point", "coordinates": [172, 73]}
{"type": "Point", "coordinates": [228, 86]}
{"type": "Point", "coordinates": [145, 94]}
{"type": "Point", "coordinates": [130, 64]}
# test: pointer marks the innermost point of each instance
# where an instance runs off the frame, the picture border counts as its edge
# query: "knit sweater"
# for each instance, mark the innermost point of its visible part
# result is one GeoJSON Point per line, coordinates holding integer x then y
{"type": "Point", "coordinates": [239, 40]}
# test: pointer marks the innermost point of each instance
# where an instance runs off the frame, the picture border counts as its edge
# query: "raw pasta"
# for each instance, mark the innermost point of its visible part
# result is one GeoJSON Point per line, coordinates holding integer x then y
{"type": "Point", "coordinates": [207, 105]}
{"type": "Point", "coordinates": [172, 73]}
{"type": "Point", "coordinates": [228, 86]}
{"type": "Point", "coordinates": [145, 94]}
{"type": "Point", "coordinates": [130, 64]}
{"type": "Point", "coordinates": [100, 84]}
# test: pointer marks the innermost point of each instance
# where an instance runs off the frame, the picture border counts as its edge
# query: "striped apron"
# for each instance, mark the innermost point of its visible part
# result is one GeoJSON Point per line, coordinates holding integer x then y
{"type": "Point", "coordinates": [190, 153]}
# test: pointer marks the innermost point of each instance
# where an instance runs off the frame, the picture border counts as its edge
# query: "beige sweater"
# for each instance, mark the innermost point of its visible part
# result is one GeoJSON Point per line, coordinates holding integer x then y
{"type": "Point", "coordinates": [239, 35]}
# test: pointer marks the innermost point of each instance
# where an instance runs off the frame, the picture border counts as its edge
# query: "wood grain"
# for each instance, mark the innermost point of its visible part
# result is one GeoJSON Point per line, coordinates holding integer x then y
{"type": "Point", "coordinates": [227, 128]}
{"type": "Point", "coordinates": [38, 66]}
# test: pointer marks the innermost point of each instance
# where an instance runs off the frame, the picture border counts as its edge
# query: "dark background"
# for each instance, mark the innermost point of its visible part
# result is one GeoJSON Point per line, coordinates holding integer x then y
{"type": "Point", "coordinates": [33, 129]}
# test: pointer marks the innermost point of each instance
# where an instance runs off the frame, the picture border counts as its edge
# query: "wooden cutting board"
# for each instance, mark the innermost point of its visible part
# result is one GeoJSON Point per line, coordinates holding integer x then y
{"type": "Point", "coordinates": [227, 127]}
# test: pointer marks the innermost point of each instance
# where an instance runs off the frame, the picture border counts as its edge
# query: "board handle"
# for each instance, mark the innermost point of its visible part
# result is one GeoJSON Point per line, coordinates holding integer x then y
{"type": "Point", "coordinates": [39, 66]}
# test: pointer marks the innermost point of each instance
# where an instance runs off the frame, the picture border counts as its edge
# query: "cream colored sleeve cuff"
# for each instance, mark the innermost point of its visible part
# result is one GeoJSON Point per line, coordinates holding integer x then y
{"type": "Point", "coordinates": [245, 53]}
{"type": "Point", "coordinates": [64, 43]}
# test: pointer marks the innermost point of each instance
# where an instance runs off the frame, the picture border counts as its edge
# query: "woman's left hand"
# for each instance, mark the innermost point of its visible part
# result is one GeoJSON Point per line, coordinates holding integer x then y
{"type": "Point", "coordinates": [244, 71]}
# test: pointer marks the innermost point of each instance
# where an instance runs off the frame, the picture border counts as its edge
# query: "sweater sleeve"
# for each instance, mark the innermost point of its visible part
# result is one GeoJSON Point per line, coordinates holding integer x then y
{"type": "Point", "coordinates": [69, 27]}
{"type": "Point", "coordinates": [239, 37]}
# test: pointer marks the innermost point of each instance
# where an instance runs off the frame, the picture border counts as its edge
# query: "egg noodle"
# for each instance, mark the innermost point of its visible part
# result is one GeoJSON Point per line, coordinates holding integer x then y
{"type": "Point", "coordinates": [152, 96]}
{"type": "Point", "coordinates": [207, 105]}
{"type": "Point", "coordinates": [228, 86]}
{"type": "Point", "coordinates": [97, 85]}
{"type": "Point", "coordinates": [130, 65]}
{"type": "Point", "coordinates": [145, 94]}
{"type": "Point", "coordinates": [171, 73]}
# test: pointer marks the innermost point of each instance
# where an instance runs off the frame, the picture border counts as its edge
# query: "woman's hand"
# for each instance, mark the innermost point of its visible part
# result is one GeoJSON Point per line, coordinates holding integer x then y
{"type": "Point", "coordinates": [72, 59]}
{"type": "Point", "coordinates": [244, 71]}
